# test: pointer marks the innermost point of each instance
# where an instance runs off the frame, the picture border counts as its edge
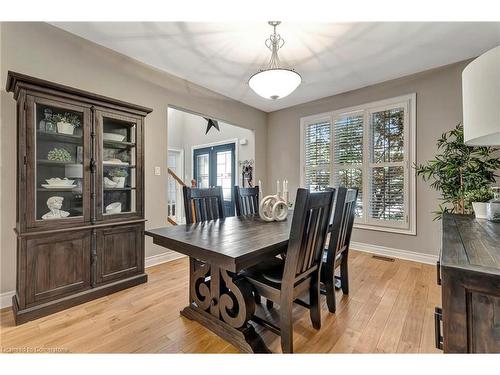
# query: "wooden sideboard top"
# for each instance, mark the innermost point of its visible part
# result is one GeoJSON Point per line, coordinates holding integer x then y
{"type": "Point", "coordinates": [471, 244]}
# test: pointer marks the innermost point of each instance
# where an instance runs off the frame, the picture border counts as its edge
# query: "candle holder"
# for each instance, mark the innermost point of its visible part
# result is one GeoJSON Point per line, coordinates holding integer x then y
{"type": "Point", "coordinates": [275, 207]}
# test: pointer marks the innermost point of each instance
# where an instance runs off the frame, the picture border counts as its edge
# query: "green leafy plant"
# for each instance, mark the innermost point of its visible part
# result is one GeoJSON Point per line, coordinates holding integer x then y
{"type": "Point", "coordinates": [478, 195]}
{"type": "Point", "coordinates": [457, 170]}
{"type": "Point", "coordinates": [67, 117]}
{"type": "Point", "coordinates": [59, 154]}
{"type": "Point", "coordinates": [118, 172]}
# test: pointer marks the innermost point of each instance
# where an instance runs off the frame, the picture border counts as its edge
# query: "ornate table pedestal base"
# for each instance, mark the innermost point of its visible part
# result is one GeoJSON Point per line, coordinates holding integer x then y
{"type": "Point", "coordinates": [223, 303]}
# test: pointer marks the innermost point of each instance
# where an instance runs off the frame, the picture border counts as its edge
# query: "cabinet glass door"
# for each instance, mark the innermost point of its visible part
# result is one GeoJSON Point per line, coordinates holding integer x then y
{"type": "Point", "coordinates": [58, 152]}
{"type": "Point", "coordinates": [118, 166]}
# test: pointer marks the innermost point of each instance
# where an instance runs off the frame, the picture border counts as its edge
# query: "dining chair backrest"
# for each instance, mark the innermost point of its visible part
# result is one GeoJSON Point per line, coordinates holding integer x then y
{"type": "Point", "coordinates": [308, 232]}
{"type": "Point", "coordinates": [246, 200]}
{"type": "Point", "coordinates": [203, 204]}
{"type": "Point", "coordinates": [343, 220]}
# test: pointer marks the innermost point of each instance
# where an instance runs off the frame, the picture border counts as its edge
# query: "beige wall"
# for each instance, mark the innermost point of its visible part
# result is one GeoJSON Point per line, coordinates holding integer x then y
{"type": "Point", "coordinates": [186, 131]}
{"type": "Point", "coordinates": [46, 52]}
{"type": "Point", "coordinates": [439, 108]}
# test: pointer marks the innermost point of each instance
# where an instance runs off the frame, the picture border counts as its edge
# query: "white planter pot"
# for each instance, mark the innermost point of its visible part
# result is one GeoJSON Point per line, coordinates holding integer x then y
{"type": "Point", "coordinates": [120, 181]}
{"type": "Point", "coordinates": [479, 210]}
{"type": "Point", "coordinates": [65, 128]}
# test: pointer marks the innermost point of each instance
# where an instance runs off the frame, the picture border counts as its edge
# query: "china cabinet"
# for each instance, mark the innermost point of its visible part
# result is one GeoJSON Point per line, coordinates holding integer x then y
{"type": "Point", "coordinates": [80, 196]}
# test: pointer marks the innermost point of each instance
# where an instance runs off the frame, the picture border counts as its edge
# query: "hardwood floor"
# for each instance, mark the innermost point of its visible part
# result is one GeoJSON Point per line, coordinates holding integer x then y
{"type": "Point", "coordinates": [389, 310]}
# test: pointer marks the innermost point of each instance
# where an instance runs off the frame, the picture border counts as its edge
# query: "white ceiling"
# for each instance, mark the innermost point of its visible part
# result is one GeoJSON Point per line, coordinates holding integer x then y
{"type": "Point", "coordinates": [331, 57]}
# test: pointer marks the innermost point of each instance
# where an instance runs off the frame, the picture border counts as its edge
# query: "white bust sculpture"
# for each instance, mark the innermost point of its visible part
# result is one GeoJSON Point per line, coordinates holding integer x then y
{"type": "Point", "coordinates": [54, 204]}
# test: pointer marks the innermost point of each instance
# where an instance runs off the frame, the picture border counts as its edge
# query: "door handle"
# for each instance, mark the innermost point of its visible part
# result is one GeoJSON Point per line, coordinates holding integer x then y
{"type": "Point", "coordinates": [438, 335]}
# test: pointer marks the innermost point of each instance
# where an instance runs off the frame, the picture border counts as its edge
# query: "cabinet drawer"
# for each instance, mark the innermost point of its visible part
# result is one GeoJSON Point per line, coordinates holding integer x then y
{"type": "Point", "coordinates": [120, 252]}
{"type": "Point", "coordinates": [57, 265]}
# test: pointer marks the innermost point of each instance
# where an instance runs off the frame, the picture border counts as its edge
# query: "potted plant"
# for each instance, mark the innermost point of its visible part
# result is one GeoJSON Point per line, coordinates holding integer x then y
{"type": "Point", "coordinates": [478, 198]}
{"type": "Point", "coordinates": [118, 175]}
{"type": "Point", "coordinates": [66, 123]}
{"type": "Point", "coordinates": [457, 170]}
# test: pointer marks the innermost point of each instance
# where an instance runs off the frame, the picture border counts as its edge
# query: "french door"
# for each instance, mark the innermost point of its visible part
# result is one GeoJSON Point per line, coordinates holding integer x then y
{"type": "Point", "coordinates": [215, 166]}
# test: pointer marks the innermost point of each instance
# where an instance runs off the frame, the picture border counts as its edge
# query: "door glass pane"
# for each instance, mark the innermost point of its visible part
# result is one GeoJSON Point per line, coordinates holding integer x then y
{"type": "Point", "coordinates": [119, 166]}
{"type": "Point", "coordinates": [224, 173]}
{"type": "Point", "coordinates": [202, 167]}
{"type": "Point", "coordinates": [59, 163]}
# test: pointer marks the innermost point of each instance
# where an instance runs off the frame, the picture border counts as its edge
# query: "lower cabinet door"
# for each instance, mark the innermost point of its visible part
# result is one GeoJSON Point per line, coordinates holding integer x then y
{"type": "Point", "coordinates": [57, 265]}
{"type": "Point", "coordinates": [120, 252]}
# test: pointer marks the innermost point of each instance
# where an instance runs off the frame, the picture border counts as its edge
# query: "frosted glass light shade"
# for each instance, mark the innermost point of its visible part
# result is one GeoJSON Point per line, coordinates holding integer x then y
{"type": "Point", "coordinates": [275, 83]}
{"type": "Point", "coordinates": [481, 100]}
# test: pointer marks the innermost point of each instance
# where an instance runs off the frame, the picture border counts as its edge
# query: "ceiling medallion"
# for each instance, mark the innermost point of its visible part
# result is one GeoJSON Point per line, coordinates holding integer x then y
{"type": "Point", "coordinates": [274, 82]}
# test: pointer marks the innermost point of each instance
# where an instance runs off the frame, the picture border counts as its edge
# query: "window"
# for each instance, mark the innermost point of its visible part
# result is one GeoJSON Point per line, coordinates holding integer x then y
{"type": "Point", "coordinates": [317, 155]}
{"type": "Point", "coordinates": [371, 147]}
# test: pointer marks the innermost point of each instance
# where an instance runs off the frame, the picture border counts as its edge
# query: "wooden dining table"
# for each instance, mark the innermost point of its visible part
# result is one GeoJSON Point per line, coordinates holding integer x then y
{"type": "Point", "coordinates": [219, 298]}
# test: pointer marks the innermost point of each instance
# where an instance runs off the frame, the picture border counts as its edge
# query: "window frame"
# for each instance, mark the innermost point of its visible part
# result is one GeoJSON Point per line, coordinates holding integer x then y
{"type": "Point", "coordinates": [408, 102]}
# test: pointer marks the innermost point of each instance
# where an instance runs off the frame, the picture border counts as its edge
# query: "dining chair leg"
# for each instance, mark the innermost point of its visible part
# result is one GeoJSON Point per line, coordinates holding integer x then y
{"type": "Point", "coordinates": [314, 298]}
{"type": "Point", "coordinates": [330, 290]}
{"type": "Point", "coordinates": [344, 274]}
{"type": "Point", "coordinates": [286, 327]}
{"type": "Point", "coordinates": [269, 304]}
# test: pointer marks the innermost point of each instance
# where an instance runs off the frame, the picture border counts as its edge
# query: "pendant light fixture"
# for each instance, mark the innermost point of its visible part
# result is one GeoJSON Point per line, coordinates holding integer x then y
{"type": "Point", "coordinates": [274, 82]}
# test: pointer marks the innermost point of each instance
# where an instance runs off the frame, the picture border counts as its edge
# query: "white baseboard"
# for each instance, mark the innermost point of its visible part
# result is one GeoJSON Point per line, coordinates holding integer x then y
{"type": "Point", "coordinates": [6, 298]}
{"type": "Point", "coordinates": [395, 253]}
{"type": "Point", "coordinates": [167, 256]}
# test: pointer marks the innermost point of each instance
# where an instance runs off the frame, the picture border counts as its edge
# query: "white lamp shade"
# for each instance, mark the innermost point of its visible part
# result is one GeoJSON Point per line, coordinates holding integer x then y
{"type": "Point", "coordinates": [275, 83]}
{"type": "Point", "coordinates": [481, 100]}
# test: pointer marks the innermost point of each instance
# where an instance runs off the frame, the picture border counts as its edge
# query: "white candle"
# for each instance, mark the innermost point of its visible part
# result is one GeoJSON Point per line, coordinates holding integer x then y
{"type": "Point", "coordinates": [260, 187]}
{"type": "Point", "coordinates": [284, 186]}
{"type": "Point", "coordinates": [278, 187]}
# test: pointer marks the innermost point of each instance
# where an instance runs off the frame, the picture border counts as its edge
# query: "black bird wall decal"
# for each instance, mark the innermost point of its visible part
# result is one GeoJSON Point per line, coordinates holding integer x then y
{"type": "Point", "coordinates": [211, 124]}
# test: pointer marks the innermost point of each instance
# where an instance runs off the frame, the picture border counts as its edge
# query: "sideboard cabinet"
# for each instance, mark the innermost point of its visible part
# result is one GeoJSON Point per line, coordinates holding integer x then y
{"type": "Point", "coordinates": [80, 196]}
{"type": "Point", "coordinates": [469, 275]}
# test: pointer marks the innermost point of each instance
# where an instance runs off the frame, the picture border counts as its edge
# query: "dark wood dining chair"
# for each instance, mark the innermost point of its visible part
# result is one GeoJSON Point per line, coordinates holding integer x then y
{"type": "Point", "coordinates": [337, 253]}
{"type": "Point", "coordinates": [203, 204]}
{"type": "Point", "coordinates": [283, 282]}
{"type": "Point", "coordinates": [246, 200]}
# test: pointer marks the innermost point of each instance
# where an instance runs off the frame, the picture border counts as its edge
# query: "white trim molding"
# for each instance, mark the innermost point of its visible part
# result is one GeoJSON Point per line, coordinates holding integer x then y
{"type": "Point", "coordinates": [168, 256]}
{"type": "Point", "coordinates": [153, 260]}
{"type": "Point", "coordinates": [395, 253]}
{"type": "Point", "coordinates": [6, 299]}
{"type": "Point", "coordinates": [165, 257]}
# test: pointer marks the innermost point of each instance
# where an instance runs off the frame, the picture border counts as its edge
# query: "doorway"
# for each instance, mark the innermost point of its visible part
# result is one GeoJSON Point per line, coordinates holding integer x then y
{"type": "Point", "coordinates": [216, 166]}
{"type": "Point", "coordinates": [175, 165]}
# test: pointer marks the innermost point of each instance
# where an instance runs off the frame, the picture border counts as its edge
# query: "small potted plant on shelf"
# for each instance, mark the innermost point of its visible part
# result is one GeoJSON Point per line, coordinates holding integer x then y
{"type": "Point", "coordinates": [118, 175]}
{"type": "Point", "coordinates": [66, 123]}
{"type": "Point", "coordinates": [478, 198]}
{"type": "Point", "coordinates": [59, 154]}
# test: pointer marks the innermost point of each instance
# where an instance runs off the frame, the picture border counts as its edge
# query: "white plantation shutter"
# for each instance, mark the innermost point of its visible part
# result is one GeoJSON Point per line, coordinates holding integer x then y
{"type": "Point", "coordinates": [348, 154]}
{"type": "Point", "coordinates": [370, 147]}
{"type": "Point", "coordinates": [388, 167]}
{"type": "Point", "coordinates": [317, 155]}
